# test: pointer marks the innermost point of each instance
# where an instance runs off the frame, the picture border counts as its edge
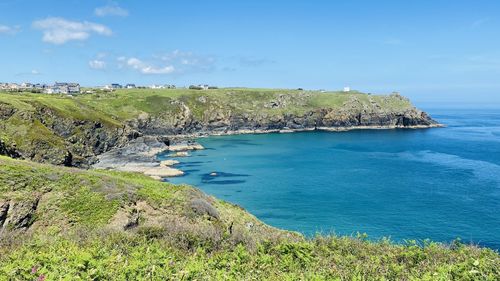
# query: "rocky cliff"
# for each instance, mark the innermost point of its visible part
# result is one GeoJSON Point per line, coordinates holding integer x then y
{"type": "Point", "coordinates": [72, 131]}
{"type": "Point", "coordinates": [43, 134]}
{"type": "Point", "coordinates": [354, 112]}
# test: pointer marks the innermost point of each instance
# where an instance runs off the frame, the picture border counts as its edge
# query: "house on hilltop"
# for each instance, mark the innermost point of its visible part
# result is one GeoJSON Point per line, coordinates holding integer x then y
{"type": "Point", "coordinates": [63, 88]}
{"type": "Point", "coordinates": [202, 87]}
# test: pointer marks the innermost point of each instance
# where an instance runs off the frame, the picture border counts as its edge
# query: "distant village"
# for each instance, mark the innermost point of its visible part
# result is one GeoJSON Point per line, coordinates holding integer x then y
{"type": "Point", "coordinates": [75, 88]}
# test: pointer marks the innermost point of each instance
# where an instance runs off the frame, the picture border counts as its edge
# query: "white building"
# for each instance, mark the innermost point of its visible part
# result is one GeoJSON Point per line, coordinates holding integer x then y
{"type": "Point", "coordinates": [347, 89]}
{"type": "Point", "coordinates": [157, 86]}
{"type": "Point", "coordinates": [62, 88]}
{"type": "Point", "coordinates": [51, 90]}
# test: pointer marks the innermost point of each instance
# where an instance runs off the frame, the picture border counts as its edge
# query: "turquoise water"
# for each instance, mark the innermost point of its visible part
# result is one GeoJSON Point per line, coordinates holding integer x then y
{"type": "Point", "coordinates": [438, 183]}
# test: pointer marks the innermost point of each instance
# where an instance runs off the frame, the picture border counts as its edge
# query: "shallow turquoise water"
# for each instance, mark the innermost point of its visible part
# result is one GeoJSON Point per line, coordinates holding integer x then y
{"type": "Point", "coordinates": [439, 183]}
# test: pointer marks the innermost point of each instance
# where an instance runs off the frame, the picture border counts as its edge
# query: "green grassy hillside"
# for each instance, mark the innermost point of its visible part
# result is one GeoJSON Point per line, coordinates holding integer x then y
{"type": "Point", "coordinates": [66, 130]}
{"type": "Point", "coordinates": [65, 223]}
{"type": "Point", "coordinates": [64, 198]}
{"type": "Point", "coordinates": [122, 105]}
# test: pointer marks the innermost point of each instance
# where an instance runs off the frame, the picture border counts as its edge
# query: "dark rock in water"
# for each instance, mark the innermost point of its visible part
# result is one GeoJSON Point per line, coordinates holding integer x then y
{"type": "Point", "coordinates": [203, 207]}
{"type": "Point", "coordinates": [225, 182]}
{"type": "Point", "coordinates": [210, 177]}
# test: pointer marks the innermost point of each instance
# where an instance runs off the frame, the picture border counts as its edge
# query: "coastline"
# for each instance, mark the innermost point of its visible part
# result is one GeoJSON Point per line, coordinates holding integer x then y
{"type": "Point", "coordinates": [141, 154]}
{"type": "Point", "coordinates": [289, 130]}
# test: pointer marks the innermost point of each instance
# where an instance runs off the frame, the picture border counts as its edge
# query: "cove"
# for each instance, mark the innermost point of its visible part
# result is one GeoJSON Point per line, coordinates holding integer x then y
{"type": "Point", "coordinates": [440, 184]}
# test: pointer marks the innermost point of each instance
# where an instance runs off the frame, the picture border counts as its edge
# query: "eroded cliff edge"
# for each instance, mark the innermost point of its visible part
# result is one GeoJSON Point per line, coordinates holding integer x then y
{"type": "Point", "coordinates": [72, 131]}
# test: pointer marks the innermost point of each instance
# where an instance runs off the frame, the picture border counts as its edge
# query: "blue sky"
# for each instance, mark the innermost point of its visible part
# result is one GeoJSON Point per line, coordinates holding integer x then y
{"type": "Point", "coordinates": [432, 51]}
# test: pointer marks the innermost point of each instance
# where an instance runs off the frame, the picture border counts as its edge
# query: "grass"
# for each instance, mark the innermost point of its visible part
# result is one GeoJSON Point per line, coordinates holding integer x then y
{"type": "Point", "coordinates": [73, 236]}
{"type": "Point", "coordinates": [90, 198]}
{"type": "Point", "coordinates": [122, 105]}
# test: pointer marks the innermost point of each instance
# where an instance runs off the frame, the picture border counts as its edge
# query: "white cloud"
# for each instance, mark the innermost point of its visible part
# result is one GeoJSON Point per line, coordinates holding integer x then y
{"type": "Point", "coordinates": [146, 68]}
{"type": "Point", "coordinates": [29, 73]}
{"type": "Point", "coordinates": [5, 29]}
{"type": "Point", "coordinates": [176, 62]}
{"type": "Point", "coordinates": [111, 10]}
{"type": "Point", "coordinates": [188, 61]}
{"type": "Point", "coordinates": [59, 30]}
{"type": "Point", "coordinates": [154, 70]}
{"type": "Point", "coordinates": [97, 64]}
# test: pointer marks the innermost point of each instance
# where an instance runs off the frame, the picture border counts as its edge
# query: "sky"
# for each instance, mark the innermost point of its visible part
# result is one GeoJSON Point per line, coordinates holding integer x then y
{"type": "Point", "coordinates": [435, 52]}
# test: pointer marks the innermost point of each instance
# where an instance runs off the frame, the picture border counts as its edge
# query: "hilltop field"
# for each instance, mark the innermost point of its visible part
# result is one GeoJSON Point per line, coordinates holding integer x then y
{"type": "Point", "coordinates": [115, 108]}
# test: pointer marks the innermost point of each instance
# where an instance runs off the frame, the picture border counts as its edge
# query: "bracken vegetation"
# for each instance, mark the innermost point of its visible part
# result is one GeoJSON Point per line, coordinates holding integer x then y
{"type": "Point", "coordinates": [121, 256]}
{"type": "Point", "coordinates": [69, 224]}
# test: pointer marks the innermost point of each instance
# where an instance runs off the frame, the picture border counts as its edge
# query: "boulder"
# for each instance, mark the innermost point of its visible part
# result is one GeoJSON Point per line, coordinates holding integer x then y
{"type": "Point", "coordinates": [163, 172]}
{"type": "Point", "coordinates": [180, 154]}
{"type": "Point", "coordinates": [167, 163]}
{"type": "Point", "coordinates": [21, 214]}
{"type": "Point", "coordinates": [185, 146]}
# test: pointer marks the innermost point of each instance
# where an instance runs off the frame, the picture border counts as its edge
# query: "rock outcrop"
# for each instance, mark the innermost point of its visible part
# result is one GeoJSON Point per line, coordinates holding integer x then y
{"type": "Point", "coordinates": [44, 135]}
{"type": "Point", "coordinates": [17, 215]}
{"type": "Point", "coordinates": [139, 156]}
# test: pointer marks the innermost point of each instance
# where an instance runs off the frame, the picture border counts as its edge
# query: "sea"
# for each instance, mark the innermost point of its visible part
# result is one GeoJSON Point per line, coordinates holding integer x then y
{"type": "Point", "coordinates": [440, 184]}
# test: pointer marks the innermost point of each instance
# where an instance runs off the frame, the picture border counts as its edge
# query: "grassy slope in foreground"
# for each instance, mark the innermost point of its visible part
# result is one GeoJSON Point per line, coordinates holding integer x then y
{"type": "Point", "coordinates": [76, 230]}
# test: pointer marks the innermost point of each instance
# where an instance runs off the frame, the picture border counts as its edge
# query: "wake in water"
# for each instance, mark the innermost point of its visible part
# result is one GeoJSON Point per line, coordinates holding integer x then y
{"type": "Point", "coordinates": [482, 170]}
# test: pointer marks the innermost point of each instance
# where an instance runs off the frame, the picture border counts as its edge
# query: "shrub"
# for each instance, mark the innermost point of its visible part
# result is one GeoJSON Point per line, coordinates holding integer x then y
{"type": "Point", "coordinates": [202, 207]}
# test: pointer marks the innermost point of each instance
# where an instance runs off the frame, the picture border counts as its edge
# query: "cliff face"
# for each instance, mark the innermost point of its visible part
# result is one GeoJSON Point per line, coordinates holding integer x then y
{"type": "Point", "coordinates": [44, 135]}
{"type": "Point", "coordinates": [275, 116]}
{"type": "Point", "coordinates": [73, 131]}
{"type": "Point", "coordinates": [227, 121]}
